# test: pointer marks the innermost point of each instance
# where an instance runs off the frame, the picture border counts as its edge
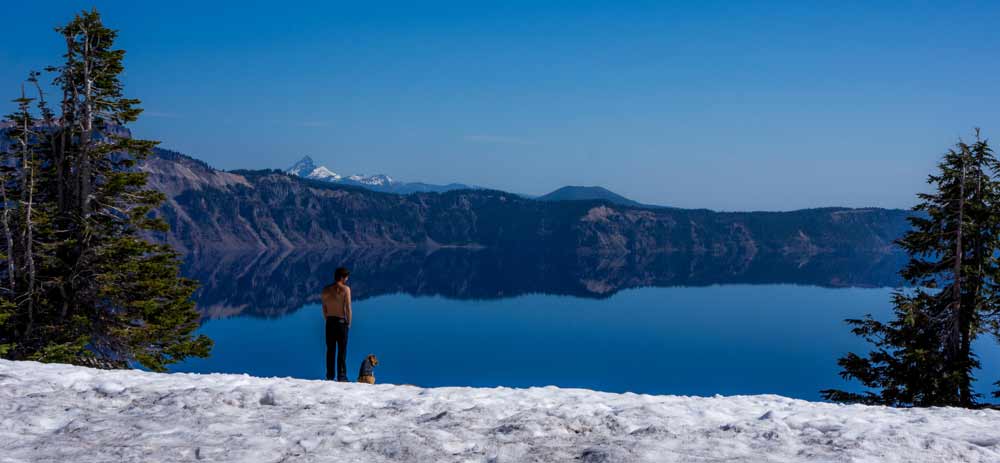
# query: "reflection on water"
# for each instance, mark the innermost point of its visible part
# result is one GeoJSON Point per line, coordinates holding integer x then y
{"type": "Point", "coordinates": [273, 284]}
{"type": "Point", "coordinates": [734, 339]}
{"type": "Point", "coordinates": [661, 323]}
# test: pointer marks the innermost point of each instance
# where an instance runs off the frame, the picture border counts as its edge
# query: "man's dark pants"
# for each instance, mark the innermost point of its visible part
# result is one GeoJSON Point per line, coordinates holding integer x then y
{"type": "Point", "coordinates": [336, 348]}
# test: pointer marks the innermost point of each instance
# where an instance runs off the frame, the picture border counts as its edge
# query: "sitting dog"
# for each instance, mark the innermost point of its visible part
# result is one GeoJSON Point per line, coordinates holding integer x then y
{"type": "Point", "coordinates": [367, 373]}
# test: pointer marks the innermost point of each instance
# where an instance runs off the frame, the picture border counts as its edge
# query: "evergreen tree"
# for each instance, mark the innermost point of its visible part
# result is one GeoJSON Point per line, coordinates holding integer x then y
{"type": "Point", "coordinates": [82, 284]}
{"type": "Point", "coordinates": [18, 175]}
{"type": "Point", "coordinates": [924, 356]}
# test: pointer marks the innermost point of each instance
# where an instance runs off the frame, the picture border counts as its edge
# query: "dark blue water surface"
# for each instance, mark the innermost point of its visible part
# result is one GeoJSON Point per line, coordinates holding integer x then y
{"type": "Point", "coordinates": [732, 338]}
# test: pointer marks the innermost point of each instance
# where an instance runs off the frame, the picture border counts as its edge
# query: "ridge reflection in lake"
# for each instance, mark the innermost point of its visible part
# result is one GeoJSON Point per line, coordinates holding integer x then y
{"type": "Point", "coordinates": [676, 324]}
{"type": "Point", "coordinates": [272, 284]}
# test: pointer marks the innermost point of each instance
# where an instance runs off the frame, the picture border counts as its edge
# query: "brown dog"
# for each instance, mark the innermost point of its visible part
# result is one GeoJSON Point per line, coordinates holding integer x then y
{"type": "Point", "coordinates": [367, 373]}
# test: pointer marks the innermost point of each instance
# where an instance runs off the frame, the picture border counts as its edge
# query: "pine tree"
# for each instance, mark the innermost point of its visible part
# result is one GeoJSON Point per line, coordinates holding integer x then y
{"type": "Point", "coordinates": [94, 291]}
{"type": "Point", "coordinates": [924, 356]}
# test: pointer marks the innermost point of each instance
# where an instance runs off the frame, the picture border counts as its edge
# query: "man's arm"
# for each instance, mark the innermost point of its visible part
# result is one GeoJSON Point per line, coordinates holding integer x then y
{"type": "Point", "coordinates": [322, 303]}
{"type": "Point", "coordinates": [349, 313]}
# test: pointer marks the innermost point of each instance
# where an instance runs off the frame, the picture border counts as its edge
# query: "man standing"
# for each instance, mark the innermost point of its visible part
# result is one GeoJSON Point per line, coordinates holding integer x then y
{"type": "Point", "coordinates": [337, 311]}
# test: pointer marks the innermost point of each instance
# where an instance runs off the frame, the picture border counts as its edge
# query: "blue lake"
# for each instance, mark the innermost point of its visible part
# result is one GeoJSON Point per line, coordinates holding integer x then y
{"type": "Point", "coordinates": [731, 338]}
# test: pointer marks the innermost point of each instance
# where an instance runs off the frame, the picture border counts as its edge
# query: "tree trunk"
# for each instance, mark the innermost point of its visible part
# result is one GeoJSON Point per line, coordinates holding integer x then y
{"type": "Point", "coordinates": [27, 193]}
{"type": "Point", "coordinates": [29, 239]}
{"type": "Point", "coordinates": [8, 236]}
{"type": "Point", "coordinates": [88, 129]}
{"type": "Point", "coordinates": [957, 363]}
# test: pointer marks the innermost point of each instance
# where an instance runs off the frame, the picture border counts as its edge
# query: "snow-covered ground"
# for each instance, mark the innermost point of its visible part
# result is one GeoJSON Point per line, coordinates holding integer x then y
{"type": "Point", "coordinates": [72, 414]}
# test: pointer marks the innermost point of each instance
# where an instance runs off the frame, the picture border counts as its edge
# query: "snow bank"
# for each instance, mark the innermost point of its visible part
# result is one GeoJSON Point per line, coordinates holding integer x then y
{"type": "Point", "coordinates": [65, 413]}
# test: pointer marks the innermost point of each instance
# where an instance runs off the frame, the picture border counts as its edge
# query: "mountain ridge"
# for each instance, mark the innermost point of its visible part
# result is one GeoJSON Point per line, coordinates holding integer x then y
{"type": "Point", "coordinates": [307, 168]}
{"type": "Point", "coordinates": [212, 210]}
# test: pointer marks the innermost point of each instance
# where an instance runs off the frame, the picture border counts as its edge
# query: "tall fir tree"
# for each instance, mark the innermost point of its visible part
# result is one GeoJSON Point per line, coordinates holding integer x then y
{"type": "Point", "coordinates": [924, 356]}
{"type": "Point", "coordinates": [83, 284]}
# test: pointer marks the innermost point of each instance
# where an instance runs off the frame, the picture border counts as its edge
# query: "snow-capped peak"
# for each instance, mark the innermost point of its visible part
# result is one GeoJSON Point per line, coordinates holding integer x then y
{"type": "Point", "coordinates": [307, 168]}
{"type": "Point", "coordinates": [303, 168]}
{"type": "Point", "coordinates": [322, 173]}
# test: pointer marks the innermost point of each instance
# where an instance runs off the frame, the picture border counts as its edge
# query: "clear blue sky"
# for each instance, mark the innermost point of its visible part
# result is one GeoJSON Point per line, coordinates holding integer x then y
{"type": "Point", "coordinates": [756, 105]}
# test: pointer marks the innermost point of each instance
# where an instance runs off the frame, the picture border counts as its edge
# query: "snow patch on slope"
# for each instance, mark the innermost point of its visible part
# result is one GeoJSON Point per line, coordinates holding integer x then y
{"type": "Point", "coordinates": [378, 180]}
{"type": "Point", "coordinates": [66, 413]}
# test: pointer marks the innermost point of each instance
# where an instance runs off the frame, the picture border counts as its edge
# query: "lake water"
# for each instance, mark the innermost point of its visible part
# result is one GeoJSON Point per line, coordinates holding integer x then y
{"type": "Point", "coordinates": [469, 318]}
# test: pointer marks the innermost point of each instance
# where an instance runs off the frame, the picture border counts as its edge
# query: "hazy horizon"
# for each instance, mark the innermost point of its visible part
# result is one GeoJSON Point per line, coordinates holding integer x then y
{"type": "Point", "coordinates": [774, 106]}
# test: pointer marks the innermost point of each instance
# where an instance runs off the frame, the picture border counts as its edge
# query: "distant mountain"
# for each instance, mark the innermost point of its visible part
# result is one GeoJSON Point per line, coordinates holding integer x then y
{"type": "Point", "coordinates": [307, 168]}
{"type": "Point", "coordinates": [588, 193]}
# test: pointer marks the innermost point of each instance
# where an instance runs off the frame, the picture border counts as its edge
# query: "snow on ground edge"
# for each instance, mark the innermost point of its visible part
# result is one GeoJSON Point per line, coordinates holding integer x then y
{"type": "Point", "coordinates": [54, 412]}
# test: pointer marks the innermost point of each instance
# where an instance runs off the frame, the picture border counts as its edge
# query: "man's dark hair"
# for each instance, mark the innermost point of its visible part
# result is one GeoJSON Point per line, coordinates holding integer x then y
{"type": "Point", "coordinates": [341, 273]}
